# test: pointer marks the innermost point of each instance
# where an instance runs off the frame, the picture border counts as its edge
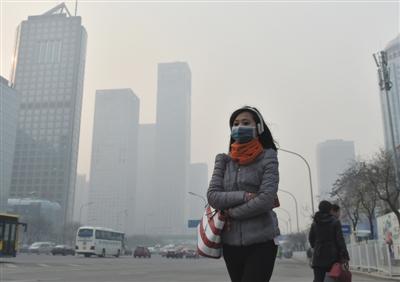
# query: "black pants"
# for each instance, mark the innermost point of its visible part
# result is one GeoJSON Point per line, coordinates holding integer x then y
{"type": "Point", "coordinates": [253, 263]}
{"type": "Point", "coordinates": [319, 273]}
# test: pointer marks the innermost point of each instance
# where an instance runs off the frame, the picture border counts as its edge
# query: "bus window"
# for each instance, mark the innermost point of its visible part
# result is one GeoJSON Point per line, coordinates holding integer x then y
{"type": "Point", "coordinates": [85, 233]}
{"type": "Point", "coordinates": [1, 231]}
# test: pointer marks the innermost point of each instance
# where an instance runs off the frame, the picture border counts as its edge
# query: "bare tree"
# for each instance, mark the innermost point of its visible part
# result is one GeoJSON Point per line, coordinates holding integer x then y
{"type": "Point", "coordinates": [347, 196]}
{"type": "Point", "coordinates": [380, 174]}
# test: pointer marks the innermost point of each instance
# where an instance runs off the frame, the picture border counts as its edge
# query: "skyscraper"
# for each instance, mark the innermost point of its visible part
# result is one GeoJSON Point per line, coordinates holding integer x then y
{"type": "Point", "coordinates": [393, 56]}
{"type": "Point", "coordinates": [114, 159]}
{"type": "Point", "coordinates": [198, 184]}
{"type": "Point", "coordinates": [9, 102]}
{"type": "Point", "coordinates": [146, 180]}
{"type": "Point", "coordinates": [333, 158]}
{"type": "Point", "coordinates": [172, 145]}
{"type": "Point", "coordinates": [48, 72]}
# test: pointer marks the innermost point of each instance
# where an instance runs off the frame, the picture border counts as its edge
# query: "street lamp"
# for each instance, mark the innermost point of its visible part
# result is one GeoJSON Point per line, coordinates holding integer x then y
{"type": "Point", "coordinates": [198, 196]}
{"type": "Point", "coordinates": [309, 174]}
{"type": "Point", "coordinates": [297, 208]}
{"type": "Point", "coordinates": [80, 210]}
{"type": "Point", "coordinates": [285, 221]}
{"type": "Point", "coordinates": [385, 85]}
{"type": "Point", "coordinates": [289, 216]}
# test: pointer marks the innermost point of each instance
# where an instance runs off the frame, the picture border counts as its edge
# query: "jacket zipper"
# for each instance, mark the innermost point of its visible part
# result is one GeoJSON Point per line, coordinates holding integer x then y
{"type": "Point", "coordinates": [237, 188]}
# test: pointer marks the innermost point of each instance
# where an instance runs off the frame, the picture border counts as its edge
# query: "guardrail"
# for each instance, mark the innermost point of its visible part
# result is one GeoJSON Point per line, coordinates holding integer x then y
{"type": "Point", "coordinates": [373, 256]}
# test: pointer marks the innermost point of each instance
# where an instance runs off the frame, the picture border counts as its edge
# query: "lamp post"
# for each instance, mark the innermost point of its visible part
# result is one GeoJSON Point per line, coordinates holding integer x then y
{"type": "Point", "coordinates": [285, 221]}
{"type": "Point", "coordinates": [309, 174]}
{"type": "Point", "coordinates": [385, 85]}
{"type": "Point", "coordinates": [80, 210]}
{"type": "Point", "coordinates": [198, 196]}
{"type": "Point", "coordinates": [297, 207]}
{"type": "Point", "coordinates": [289, 217]}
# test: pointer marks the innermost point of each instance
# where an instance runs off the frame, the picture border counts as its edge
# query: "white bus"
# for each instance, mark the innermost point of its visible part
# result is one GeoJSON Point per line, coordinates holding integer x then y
{"type": "Point", "coordinates": [99, 241]}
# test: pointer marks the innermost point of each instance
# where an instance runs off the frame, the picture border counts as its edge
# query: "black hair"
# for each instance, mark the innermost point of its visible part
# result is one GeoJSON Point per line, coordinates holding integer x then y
{"type": "Point", "coordinates": [266, 139]}
{"type": "Point", "coordinates": [324, 206]}
{"type": "Point", "coordinates": [335, 208]}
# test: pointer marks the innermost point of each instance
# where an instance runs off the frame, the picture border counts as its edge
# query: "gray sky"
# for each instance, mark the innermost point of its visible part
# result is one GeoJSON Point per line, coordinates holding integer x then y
{"type": "Point", "coordinates": [307, 66]}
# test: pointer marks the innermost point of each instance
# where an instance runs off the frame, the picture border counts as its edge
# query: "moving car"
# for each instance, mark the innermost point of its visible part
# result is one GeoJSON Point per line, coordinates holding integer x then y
{"type": "Point", "coordinates": [174, 253]}
{"type": "Point", "coordinates": [141, 252]}
{"type": "Point", "coordinates": [41, 248]}
{"type": "Point", "coordinates": [63, 250]}
{"type": "Point", "coordinates": [191, 254]}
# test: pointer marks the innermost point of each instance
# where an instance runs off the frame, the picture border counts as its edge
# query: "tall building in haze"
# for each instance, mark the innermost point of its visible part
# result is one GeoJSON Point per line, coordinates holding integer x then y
{"type": "Point", "coordinates": [172, 145]}
{"type": "Point", "coordinates": [9, 102]}
{"type": "Point", "coordinates": [48, 71]}
{"type": "Point", "coordinates": [146, 191]}
{"type": "Point", "coordinates": [393, 57]}
{"type": "Point", "coordinates": [333, 158]}
{"type": "Point", "coordinates": [114, 160]}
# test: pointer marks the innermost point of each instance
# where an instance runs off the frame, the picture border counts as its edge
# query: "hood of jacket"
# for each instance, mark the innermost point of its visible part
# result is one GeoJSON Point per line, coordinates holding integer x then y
{"type": "Point", "coordinates": [323, 218]}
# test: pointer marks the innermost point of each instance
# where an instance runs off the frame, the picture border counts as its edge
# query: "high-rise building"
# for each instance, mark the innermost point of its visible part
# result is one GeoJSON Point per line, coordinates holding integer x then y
{"type": "Point", "coordinates": [9, 102]}
{"type": "Point", "coordinates": [172, 145]}
{"type": "Point", "coordinates": [198, 184]}
{"type": "Point", "coordinates": [393, 57]}
{"type": "Point", "coordinates": [333, 158]}
{"type": "Point", "coordinates": [81, 201]}
{"type": "Point", "coordinates": [114, 160]}
{"type": "Point", "coordinates": [146, 189]}
{"type": "Point", "coordinates": [48, 72]}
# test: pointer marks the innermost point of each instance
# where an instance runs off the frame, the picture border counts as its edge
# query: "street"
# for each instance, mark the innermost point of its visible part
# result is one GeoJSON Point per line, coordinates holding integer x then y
{"type": "Point", "coordinates": [30, 268]}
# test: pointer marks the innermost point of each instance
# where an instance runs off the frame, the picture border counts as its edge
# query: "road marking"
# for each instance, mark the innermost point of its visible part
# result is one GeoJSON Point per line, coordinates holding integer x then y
{"type": "Point", "coordinates": [43, 265]}
{"type": "Point", "coordinates": [75, 265]}
{"type": "Point", "coordinates": [10, 265]}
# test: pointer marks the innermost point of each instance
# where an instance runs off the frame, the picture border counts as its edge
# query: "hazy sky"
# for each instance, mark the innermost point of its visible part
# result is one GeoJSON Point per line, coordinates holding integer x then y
{"type": "Point", "coordinates": [307, 66]}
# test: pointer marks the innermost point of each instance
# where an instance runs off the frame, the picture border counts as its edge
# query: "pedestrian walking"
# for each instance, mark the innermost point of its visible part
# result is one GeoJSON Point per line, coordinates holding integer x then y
{"type": "Point", "coordinates": [335, 211]}
{"type": "Point", "coordinates": [326, 238]}
{"type": "Point", "coordinates": [244, 186]}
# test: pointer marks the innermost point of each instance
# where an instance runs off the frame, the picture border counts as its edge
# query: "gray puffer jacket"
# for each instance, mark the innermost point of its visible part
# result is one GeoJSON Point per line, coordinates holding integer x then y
{"type": "Point", "coordinates": [253, 221]}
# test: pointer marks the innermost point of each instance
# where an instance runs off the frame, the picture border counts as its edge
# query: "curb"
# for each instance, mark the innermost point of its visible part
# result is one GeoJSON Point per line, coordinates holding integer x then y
{"type": "Point", "coordinates": [371, 274]}
{"type": "Point", "coordinates": [363, 273]}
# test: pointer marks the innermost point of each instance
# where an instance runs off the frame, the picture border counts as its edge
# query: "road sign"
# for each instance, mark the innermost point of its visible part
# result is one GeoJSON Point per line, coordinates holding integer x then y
{"type": "Point", "coordinates": [346, 229]}
{"type": "Point", "coordinates": [192, 223]}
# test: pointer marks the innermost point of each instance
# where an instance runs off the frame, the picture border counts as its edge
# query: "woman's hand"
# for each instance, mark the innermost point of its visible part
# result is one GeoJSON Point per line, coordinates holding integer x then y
{"type": "Point", "coordinates": [248, 196]}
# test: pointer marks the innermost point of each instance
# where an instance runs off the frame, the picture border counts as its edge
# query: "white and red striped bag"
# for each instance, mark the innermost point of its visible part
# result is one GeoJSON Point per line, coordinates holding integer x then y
{"type": "Point", "coordinates": [209, 233]}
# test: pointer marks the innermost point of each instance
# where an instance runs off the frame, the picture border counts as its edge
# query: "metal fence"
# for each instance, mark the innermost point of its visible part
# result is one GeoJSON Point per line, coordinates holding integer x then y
{"type": "Point", "coordinates": [373, 256]}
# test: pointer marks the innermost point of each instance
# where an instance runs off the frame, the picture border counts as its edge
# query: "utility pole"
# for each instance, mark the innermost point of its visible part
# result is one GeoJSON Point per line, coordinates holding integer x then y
{"type": "Point", "coordinates": [385, 85]}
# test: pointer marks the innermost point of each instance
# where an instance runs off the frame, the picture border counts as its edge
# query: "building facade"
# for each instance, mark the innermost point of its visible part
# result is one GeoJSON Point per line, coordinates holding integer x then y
{"type": "Point", "coordinates": [172, 145]}
{"type": "Point", "coordinates": [393, 56]}
{"type": "Point", "coordinates": [146, 189]}
{"type": "Point", "coordinates": [48, 72]}
{"type": "Point", "coordinates": [9, 103]}
{"type": "Point", "coordinates": [198, 184]}
{"type": "Point", "coordinates": [114, 160]}
{"type": "Point", "coordinates": [81, 202]}
{"type": "Point", "coordinates": [333, 158]}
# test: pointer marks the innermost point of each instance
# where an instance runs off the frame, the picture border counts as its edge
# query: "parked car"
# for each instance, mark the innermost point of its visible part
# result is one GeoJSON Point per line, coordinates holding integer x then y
{"type": "Point", "coordinates": [191, 254]}
{"type": "Point", "coordinates": [41, 248]}
{"type": "Point", "coordinates": [141, 252]}
{"type": "Point", "coordinates": [23, 249]}
{"type": "Point", "coordinates": [174, 253]}
{"type": "Point", "coordinates": [288, 253]}
{"type": "Point", "coordinates": [63, 250]}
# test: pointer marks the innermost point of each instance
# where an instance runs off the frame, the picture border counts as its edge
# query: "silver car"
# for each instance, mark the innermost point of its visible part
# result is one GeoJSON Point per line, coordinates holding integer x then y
{"type": "Point", "coordinates": [41, 248]}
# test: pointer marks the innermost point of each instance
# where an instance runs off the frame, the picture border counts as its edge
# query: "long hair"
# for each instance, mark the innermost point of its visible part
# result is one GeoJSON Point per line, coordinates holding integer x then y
{"type": "Point", "coordinates": [266, 139]}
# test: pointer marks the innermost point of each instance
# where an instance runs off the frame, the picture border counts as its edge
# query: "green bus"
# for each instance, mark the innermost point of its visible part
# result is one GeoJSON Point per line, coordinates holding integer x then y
{"type": "Point", "coordinates": [9, 224]}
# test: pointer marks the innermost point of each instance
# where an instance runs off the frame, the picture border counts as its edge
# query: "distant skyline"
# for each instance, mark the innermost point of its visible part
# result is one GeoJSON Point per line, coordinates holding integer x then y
{"type": "Point", "coordinates": [308, 67]}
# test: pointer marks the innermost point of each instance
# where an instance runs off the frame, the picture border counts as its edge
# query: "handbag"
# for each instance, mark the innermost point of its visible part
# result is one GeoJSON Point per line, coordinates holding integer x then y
{"type": "Point", "coordinates": [340, 272]}
{"type": "Point", "coordinates": [209, 233]}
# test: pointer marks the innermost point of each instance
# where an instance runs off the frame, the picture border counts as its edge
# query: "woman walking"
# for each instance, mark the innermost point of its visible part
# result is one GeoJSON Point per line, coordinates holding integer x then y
{"type": "Point", "coordinates": [326, 238]}
{"type": "Point", "coordinates": [244, 186]}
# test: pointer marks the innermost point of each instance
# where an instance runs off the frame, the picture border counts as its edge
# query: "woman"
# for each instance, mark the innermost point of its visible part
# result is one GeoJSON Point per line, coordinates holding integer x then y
{"type": "Point", "coordinates": [244, 186]}
{"type": "Point", "coordinates": [326, 238]}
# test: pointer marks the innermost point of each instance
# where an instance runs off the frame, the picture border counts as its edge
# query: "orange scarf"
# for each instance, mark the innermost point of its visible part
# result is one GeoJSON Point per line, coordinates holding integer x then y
{"type": "Point", "coordinates": [247, 152]}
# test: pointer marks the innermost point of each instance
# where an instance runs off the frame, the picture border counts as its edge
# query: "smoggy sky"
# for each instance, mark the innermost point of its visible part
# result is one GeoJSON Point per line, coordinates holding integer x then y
{"type": "Point", "coordinates": [307, 66]}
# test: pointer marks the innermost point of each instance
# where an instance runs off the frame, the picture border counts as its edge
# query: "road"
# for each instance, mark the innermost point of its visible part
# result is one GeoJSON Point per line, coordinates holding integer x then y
{"type": "Point", "coordinates": [30, 268]}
